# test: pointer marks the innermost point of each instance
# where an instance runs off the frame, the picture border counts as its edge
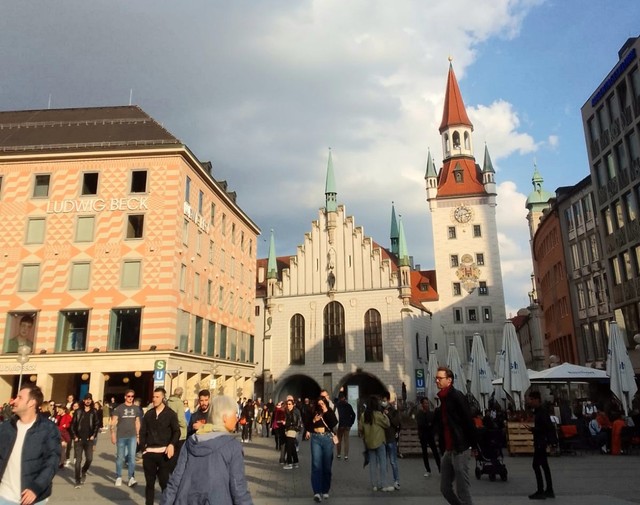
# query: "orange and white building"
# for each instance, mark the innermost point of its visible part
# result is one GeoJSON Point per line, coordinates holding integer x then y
{"type": "Point", "coordinates": [120, 255]}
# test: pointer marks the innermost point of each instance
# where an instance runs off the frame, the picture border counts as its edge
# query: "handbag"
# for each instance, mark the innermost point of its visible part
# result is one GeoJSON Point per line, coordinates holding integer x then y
{"type": "Point", "coordinates": [291, 433]}
{"type": "Point", "coordinates": [243, 421]}
{"type": "Point", "coordinates": [334, 437]}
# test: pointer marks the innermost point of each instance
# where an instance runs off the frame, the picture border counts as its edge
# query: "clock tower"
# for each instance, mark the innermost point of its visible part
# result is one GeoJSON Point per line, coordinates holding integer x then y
{"type": "Point", "coordinates": [462, 201]}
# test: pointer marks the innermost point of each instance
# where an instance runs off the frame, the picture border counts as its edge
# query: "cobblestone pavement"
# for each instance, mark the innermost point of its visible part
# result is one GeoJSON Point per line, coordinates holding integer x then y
{"type": "Point", "coordinates": [586, 479]}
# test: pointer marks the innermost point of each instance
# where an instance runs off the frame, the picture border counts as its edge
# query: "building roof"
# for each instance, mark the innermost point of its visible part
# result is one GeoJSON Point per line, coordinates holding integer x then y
{"type": "Point", "coordinates": [454, 112]}
{"type": "Point", "coordinates": [471, 178]}
{"type": "Point", "coordinates": [65, 130]}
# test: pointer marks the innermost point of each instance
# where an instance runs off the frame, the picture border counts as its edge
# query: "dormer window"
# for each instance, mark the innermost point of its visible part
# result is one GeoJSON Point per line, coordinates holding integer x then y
{"type": "Point", "coordinates": [458, 174]}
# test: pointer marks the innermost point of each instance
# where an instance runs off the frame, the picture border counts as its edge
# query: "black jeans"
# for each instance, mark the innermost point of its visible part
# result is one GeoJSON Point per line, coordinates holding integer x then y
{"type": "Point", "coordinates": [425, 442]}
{"type": "Point", "coordinates": [81, 446]}
{"type": "Point", "coordinates": [540, 462]}
{"type": "Point", "coordinates": [290, 451]}
{"type": "Point", "coordinates": [154, 465]}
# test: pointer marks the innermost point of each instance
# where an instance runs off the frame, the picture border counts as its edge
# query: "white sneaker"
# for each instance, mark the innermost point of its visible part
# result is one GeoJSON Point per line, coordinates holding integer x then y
{"type": "Point", "coordinates": [287, 467]}
{"type": "Point", "coordinates": [375, 489]}
{"type": "Point", "coordinates": [427, 474]}
{"type": "Point", "coordinates": [396, 485]}
{"type": "Point", "coordinates": [119, 481]}
{"type": "Point", "coordinates": [325, 496]}
{"type": "Point", "coordinates": [132, 482]}
{"type": "Point", "coordinates": [388, 489]}
{"type": "Point", "coordinates": [317, 498]}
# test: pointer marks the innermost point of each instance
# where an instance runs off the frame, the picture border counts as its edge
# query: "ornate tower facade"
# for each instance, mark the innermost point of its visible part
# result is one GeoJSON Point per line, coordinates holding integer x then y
{"type": "Point", "coordinates": [462, 201]}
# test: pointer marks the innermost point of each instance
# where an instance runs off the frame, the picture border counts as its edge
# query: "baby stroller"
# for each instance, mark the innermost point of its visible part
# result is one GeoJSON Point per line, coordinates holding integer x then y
{"type": "Point", "coordinates": [489, 458]}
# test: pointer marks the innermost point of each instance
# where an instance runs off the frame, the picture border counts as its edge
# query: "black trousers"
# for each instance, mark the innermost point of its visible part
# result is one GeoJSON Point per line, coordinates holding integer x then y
{"type": "Point", "coordinates": [540, 462]}
{"type": "Point", "coordinates": [290, 450]}
{"type": "Point", "coordinates": [81, 446]}
{"type": "Point", "coordinates": [425, 442]}
{"type": "Point", "coordinates": [154, 465]}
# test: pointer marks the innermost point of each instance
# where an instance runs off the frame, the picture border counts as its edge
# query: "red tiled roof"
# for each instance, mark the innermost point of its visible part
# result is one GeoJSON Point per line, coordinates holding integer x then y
{"type": "Point", "coordinates": [471, 178]}
{"type": "Point", "coordinates": [454, 112]}
{"type": "Point", "coordinates": [418, 295]}
{"type": "Point", "coordinates": [519, 321]}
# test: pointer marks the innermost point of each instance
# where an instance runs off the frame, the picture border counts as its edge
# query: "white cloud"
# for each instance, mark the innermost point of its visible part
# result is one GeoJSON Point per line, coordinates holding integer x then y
{"type": "Point", "coordinates": [553, 141]}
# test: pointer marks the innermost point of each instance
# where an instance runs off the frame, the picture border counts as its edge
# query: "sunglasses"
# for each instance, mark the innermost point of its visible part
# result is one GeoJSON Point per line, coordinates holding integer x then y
{"type": "Point", "coordinates": [128, 396]}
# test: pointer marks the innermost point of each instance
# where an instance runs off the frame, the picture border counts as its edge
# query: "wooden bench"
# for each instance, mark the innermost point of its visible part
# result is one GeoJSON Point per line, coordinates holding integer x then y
{"type": "Point", "coordinates": [409, 442]}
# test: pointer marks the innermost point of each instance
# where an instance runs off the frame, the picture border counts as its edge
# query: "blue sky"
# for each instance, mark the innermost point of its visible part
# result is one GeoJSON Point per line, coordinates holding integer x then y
{"type": "Point", "coordinates": [262, 89]}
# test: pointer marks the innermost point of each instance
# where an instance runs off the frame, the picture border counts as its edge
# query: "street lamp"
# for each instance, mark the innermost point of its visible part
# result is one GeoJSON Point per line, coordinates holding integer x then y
{"type": "Point", "coordinates": [23, 357]}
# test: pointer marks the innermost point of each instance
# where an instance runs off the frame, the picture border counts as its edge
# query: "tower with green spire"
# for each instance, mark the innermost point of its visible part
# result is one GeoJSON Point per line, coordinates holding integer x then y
{"type": "Point", "coordinates": [331, 200]}
{"type": "Point", "coordinates": [272, 266]}
{"type": "Point", "coordinates": [537, 201]}
{"type": "Point", "coordinates": [404, 263]}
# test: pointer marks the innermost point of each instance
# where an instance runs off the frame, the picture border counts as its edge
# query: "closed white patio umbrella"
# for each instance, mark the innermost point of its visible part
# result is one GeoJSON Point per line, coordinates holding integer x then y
{"type": "Point", "coordinates": [480, 375]}
{"type": "Point", "coordinates": [431, 389]}
{"type": "Point", "coordinates": [515, 376]}
{"type": "Point", "coordinates": [619, 368]}
{"type": "Point", "coordinates": [454, 363]}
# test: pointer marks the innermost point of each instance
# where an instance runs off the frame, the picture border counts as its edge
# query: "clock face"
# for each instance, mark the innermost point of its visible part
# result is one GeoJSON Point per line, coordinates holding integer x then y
{"type": "Point", "coordinates": [463, 214]}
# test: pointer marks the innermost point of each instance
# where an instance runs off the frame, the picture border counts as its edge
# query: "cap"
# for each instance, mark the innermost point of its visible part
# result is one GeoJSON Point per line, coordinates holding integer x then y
{"type": "Point", "coordinates": [88, 397]}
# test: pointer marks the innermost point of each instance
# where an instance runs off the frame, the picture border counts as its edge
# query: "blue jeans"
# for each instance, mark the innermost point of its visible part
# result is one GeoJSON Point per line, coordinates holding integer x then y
{"type": "Point", "coordinates": [321, 460]}
{"type": "Point", "coordinates": [392, 455]}
{"type": "Point", "coordinates": [378, 466]}
{"type": "Point", "coordinates": [454, 466]}
{"type": "Point", "coordinates": [128, 445]}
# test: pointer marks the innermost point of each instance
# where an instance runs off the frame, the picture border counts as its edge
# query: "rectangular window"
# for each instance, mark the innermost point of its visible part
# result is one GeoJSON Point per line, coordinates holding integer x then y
{"type": "Point", "coordinates": [35, 230]}
{"type": "Point", "coordinates": [618, 213]}
{"type": "Point", "coordinates": [221, 297]}
{"type": "Point", "coordinates": [84, 228]}
{"type": "Point", "coordinates": [628, 269]}
{"type": "Point", "coordinates": [89, 184]}
{"type": "Point", "coordinates": [30, 277]}
{"type": "Point", "coordinates": [200, 202]}
{"type": "Point", "coordinates": [482, 288]}
{"type": "Point", "coordinates": [197, 337]}
{"type": "Point", "coordinates": [581, 298]}
{"type": "Point", "coordinates": [124, 329]}
{"type": "Point", "coordinates": [568, 214]}
{"type": "Point", "coordinates": [472, 315]}
{"type": "Point", "coordinates": [577, 211]}
{"type": "Point", "coordinates": [233, 233]}
{"type": "Point", "coordinates": [209, 292]}
{"type": "Point", "coordinates": [131, 274]}
{"type": "Point", "coordinates": [211, 338]}
{"type": "Point", "coordinates": [611, 169]}
{"type": "Point", "coordinates": [457, 315]}
{"type": "Point", "coordinates": [187, 189]}
{"type": "Point", "coordinates": [584, 252]}
{"type": "Point", "coordinates": [630, 206]}
{"type": "Point", "coordinates": [0, 187]}
{"type": "Point", "coordinates": [454, 260]}
{"type": "Point", "coordinates": [139, 181]}
{"type": "Point", "coordinates": [183, 277]}
{"type": "Point", "coordinates": [211, 251]}
{"type": "Point", "coordinates": [223, 342]}
{"type": "Point", "coordinates": [80, 275]}
{"type": "Point", "coordinates": [222, 260]}
{"type": "Point", "coordinates": [486, 314]}
{"type": "Point", "coordinates": [183, 330]}
{"type": "Point", "coordinates": [41, 186]}
{"type": "Point", "coordinates": [457, 291]}
{"type": "Point", "coordinates": [451, 232]}
{"type": "Point", "coordinates": [575, 256]}
{"type": "Point", "coordinates": [615, 268]}
{"type": "Point", "coordinates": [588, 208]}
{"type": "Point", "coordinates": [135, 226]}
{"type": "Point", "coordinates": [72, 330]}
{"type": "Point", "coordinates": [232, 267]}
{"type": "Point", "coordinates": [223, 224]}
{"type": "Point", "coordinates": [196, 286]}
{"type": "Point", "coordinates": [199, 243]}
{"type": "Point", "coordinates": [185, 232]}
{"type": "Point", "coordinates": [212, 214]}
{"type": "Point", "coordinates": [594, 248]}
{"type": "Point", "coordinates": [479, 259]}
{"type": "Point", "coordinates": [608, 221]}
{"type": "Point", "coordinates": [477, 231]}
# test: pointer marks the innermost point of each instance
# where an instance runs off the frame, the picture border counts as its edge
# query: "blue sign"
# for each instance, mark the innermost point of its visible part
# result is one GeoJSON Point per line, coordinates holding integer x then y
{"type": "Point", "coordinates": [420, 382]}
{"type": "Point", "coordinates": [158, 376]}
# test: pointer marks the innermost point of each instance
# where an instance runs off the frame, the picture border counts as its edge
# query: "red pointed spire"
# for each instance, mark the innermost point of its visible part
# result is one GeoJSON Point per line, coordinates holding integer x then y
{"type": "Point", "coordinates": [454, 111]}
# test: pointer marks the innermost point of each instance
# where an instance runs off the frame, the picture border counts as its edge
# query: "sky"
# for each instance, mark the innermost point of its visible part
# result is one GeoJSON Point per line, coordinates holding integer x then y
{"type": "Point", "coordinates": [263, 89]}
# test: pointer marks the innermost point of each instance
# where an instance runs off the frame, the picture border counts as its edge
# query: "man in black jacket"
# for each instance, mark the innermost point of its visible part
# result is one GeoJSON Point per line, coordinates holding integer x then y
{"type": "Point", "coordinates": [457, 439]}
{"type": "Point", "coordinates": [84, 428]}
{"type": "Point", "coordinates": [542, 429]}
{"type": "Point", "coordinates": [159, 435]}
{"type": "Point", "coordinates": [29, 450]}
{"type": "Point", "coordinates": [425, 419]}
{"type": "Point", "coordinates": [199, 417]}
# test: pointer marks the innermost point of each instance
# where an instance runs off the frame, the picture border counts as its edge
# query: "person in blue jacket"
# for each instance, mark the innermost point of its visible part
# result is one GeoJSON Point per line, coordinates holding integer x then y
{"type": "Point", "coordinates": [210, 468]}
{"type": "Point", "coordinates": [29, 450]}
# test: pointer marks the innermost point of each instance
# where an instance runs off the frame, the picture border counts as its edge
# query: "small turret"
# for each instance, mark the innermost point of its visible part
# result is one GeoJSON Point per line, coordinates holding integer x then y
{"type": "Point", "coordinates": [488, 173]}
{"type": "Point", "coordinates": [331, 199]}
{"type": "Point", "coordinates": [404, 263]}
{"type": "Point", "coordinates": [431, 178]}
{"type": "Point", "coordinates": [272, 272]}
{"type": "Point", "coordinates": [394, 236]}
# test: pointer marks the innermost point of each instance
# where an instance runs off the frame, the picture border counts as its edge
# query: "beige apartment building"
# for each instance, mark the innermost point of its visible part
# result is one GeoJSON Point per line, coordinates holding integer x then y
{"type": "Point", "coordinates": [125, 262]}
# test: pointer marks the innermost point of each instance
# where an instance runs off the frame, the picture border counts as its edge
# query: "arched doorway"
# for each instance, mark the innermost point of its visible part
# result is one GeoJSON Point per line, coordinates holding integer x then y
{"type": "Point", "coordinates": [361, 385]}
{"type": "Point", "coordinates": [299, 386]}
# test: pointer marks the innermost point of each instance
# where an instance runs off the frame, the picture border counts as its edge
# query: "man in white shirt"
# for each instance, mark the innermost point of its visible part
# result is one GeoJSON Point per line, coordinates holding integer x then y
{"type": "Point", "coordinates": [29, 452]}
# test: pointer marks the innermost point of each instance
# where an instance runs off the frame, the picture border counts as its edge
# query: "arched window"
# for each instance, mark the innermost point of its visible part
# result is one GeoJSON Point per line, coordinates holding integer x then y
{"type": "Point", "coordinates": [334, 344]}
{"type": "Point", "coordinates": [446, 142]}
{"type": "Point", "coordinates": [296, 339]}
{"type": "Point", "coordinates": [372, 336]}
{"type": "Point", "coordinates": [467, 141]}
{"type": "Point", "coordinates": [456, 140]}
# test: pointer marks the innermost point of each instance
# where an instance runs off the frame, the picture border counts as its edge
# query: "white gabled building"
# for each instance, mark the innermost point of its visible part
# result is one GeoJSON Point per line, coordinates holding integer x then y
{"type": "Point", "coordinates": [462, 201]}
{"type": "Point", "coordinates": [342, 311]}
